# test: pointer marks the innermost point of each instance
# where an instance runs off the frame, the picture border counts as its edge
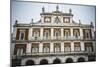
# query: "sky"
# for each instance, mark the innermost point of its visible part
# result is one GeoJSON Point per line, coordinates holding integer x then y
{"type": "Point", "coordinates": [25, 11]}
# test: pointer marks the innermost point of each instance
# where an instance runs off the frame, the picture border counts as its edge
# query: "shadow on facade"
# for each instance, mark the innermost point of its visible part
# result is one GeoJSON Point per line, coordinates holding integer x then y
{"type": "Point", "coordinates": [30, 62]}
{"type": "Point", "coordinates": [56, 61]}
{"type": "Point", "coordinates": [81, 59]}
{"type": "Point", "coordinates": [43, 62]}
{"type": "Point", "coordinates": [69, 60]}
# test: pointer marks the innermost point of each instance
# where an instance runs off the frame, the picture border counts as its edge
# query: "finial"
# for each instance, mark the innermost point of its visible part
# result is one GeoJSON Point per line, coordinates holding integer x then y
{"type": "Point", "coordinates": [43, 9]}
{"type": "Point", "coordinates": [31, 20]}
{"type": "Point", "coordinates": [79, 21]}
{"type": "Point", "coordinates": [16, 21]}
{"type": "Point", "coordinates": [57, 7]}
{"type": "Point", "coordinates": [91, 23]}
{"type": "Point", "coordinates": [70, 10]}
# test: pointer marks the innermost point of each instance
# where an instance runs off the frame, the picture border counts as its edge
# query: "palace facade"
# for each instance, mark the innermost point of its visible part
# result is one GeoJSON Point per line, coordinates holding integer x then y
{"type": "Point", "coordinates": [56, 38]}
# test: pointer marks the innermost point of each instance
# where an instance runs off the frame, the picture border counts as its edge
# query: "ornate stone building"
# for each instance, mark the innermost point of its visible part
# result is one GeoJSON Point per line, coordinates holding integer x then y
{"type": "Point", "coordinates": [56, 38]}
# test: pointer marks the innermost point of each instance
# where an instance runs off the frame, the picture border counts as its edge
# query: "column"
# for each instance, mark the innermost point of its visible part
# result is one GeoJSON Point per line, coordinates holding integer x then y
{"type": "Point", "coordinates": [52, 19]}
{"type": "Point", "coordinates": [41, 33]}
{"type": "Point", "coordinates": [30, 33]}
{"type": "Point", "coordinates": [71, 33]}
{"type": "Point", "coordinates": [72, 46]}
{"type": "Point", "coordinates": [94, 46]}
{"type": "Point", "coordinates": [92, 31]}
{"type": "Point", "coordinates": [52, 32]}
{"type": "Point", "coordinates": [81, 33]}
{"type": "Point", "coordinates": [12, 49]}
{"type": "Point", "coordinates": [42, 19]}
{"type": "Point", "coordinates": [14, 32]}
{"type": "Point", "coordinates": [71, 19]}
{"type": "Point", "coordinates": [51, 47]}
{"type": "Point", "coordinates": [62, 33]}
{"type": "Point", "coordinates": [28, 48]}
{"type": "Point", "coordinates": [82, 46]}
{"type": "Point", "coordinates": [62, 46]}
{"type": "Point", "coordinates": [41, 47]}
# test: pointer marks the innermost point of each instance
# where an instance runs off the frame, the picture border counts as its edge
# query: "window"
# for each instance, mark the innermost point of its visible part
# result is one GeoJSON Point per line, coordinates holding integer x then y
{"type": "Point", "coordinates": [47, 19]}
{"type": "Point", "coordinates": [66, 33]}
{"type": "Point", "coordinates": [19, 51]}
{"type": "Point", "coordinates": [67, 47]}
{"type": "Point", "coordinates": [76, 33]}
{"type": "Point", "coordinates": [88, 47]}
{"type": "Point", "coordinates": [87, 35]}
{"type": "Point", "coordinates": [77, 47]}
{"type": "Point", "coordinates": [57, 48]}
{"type": "Point", "coordinates": [36, 33]}
{"type": "Point", "coordinates": [46, 48]}
{"type": "Point", "coordinates": [57, 34]}
{"type": "Point", "coordinates": [66, 20]}
{"type": "Point", "coordinates": [22, 35]}
{"type": "Point", "coordinates": [46, 34]}
{"type": "Point", "coordinates": [34, 49]}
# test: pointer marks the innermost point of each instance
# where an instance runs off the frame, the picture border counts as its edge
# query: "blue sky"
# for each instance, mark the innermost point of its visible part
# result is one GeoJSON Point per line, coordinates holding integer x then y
{"type": "Point", "coordinates": [25, 11]}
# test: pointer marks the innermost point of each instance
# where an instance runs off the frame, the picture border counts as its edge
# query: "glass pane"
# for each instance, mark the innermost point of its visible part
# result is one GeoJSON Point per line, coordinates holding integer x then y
{"type": "Point", "coordinates": [19, 51]}
{"type": "Point", "coordinates": [46, 49]}
{"type": "Point", "coordinates": [22, 36]}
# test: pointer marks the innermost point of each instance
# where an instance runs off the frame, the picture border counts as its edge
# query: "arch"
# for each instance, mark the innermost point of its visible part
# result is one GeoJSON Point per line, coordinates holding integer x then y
{"type": "Point", "coordinates": [81, 59]}
{"type": "Point", "coordinates": [30, 62]}
{"type": "Point", "coordinates": [56, 61]}
{"type": "Point", "coordinates": [69, 60]}
{"type": "Point", "coordinates": [43, 62]}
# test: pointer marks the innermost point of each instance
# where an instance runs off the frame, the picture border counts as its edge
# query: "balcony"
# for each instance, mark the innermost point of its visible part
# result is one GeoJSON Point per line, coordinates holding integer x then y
{"type": "Point", "coordinates": [57, 38]}
{"type": "Point", "coordinates": [73, 38]}
{"type": "Point", "coordinates": [35, 38]}
{"type": "Point", "coordinates": [38, 38]}
{"type": "Point", "coordinates": [54, 54]}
